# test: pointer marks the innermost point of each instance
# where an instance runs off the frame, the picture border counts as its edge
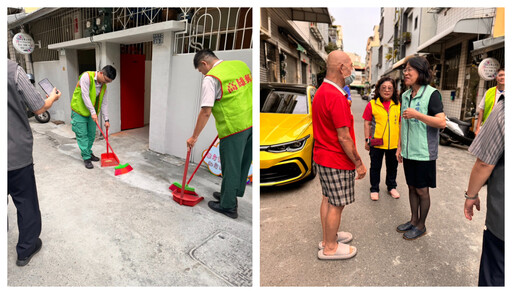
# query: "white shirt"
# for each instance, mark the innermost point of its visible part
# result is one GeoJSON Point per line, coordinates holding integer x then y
{"type": "Point", "coordinates": [84, 84]}
{"type": "Point", "coordinates": [210, 90]}
{"type": "Point", "coordinates": [337, 87]}
{"type": "Point", "coordinates": [482, 101]}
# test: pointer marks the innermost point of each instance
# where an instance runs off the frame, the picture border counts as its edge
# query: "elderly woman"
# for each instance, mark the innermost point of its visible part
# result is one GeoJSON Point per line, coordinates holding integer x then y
{"type": "Point", "coordinates": [381, 130]}
{"type": "Point", "coordinates": [422, 117]}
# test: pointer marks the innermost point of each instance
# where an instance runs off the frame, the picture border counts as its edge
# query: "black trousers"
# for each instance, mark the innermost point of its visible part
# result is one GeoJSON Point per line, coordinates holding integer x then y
{"type": "Point", "coordinates": [21, 185]}
{"type": "Point", "coordinates": [492, 263]}
{"type": "Point", "coordinates": [376, 156]}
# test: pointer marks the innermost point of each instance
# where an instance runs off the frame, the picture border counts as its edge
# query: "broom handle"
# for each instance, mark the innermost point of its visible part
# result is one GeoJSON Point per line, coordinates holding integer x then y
{"type": "Point", "coordinates": [184, 177]}
{"type": "Point", "coordinates": [204, 156]}
{"type": "Point", "coordinates": [106, 138]}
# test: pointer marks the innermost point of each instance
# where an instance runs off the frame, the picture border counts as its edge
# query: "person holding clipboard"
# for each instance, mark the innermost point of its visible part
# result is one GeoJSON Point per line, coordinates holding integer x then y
{"type": "Point", "coordinates": [89, 98]}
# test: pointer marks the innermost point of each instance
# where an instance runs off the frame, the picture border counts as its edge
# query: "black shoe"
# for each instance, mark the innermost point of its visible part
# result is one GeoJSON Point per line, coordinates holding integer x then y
{"type": "Point", "coordinates": [414, 233]}
{"type": "Point", "coordinates": [88, 164]}
{"type": "Point", "coordinates": [26, 260]}
{"type": "Point", "coordinates": [216, 195]}
{"type": "Point", "coordinates": [404, 227]}
{"type": "Point", "coordinates": [94, 158]}
{"type": "Point", "coordinates": [214, 205]}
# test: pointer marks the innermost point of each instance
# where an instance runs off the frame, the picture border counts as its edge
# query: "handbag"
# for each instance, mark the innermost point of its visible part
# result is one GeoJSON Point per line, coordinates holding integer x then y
{"type": "Point", "coordinates": [378, 141]}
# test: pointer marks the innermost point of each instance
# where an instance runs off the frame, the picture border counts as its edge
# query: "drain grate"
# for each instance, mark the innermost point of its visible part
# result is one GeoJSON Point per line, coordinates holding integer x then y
{"type": "Point", "coordinates": [227, 256]}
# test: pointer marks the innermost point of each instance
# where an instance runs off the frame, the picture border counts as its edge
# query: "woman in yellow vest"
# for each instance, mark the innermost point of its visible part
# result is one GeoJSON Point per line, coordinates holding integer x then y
{"type": "Point", "coordinates": [381, 128]}
{"type": "Point", "coordinates": [490, 98]}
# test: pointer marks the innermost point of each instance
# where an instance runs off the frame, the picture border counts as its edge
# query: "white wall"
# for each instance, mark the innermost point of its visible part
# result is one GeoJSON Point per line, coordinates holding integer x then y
{"type": "Point", "coordinates": [57, 75]}
{"type": "Point", "coordinates": [183, 105]}
{"type": "Point", "coordinates": [110, 54]}
{"type": "Point", "coordinates": [375, 68]}
{"type": "Point", "coordinates": [160, 91]}
{"type": "Point", "coordinates": [147, 92]}
{"type": "Point", "coordinates": [387, 38]}
{"type": "Point", "coordinates": [412, 47]}
{"type": "Point", "coordinates": [427, 25]}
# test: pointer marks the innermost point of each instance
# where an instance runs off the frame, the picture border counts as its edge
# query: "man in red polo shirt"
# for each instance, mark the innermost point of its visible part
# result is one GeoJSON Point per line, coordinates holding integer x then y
{"type": "Point", "coordinates": [335, 154]}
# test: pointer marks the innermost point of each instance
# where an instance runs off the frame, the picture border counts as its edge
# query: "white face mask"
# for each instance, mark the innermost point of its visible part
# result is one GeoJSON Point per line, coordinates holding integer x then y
{"type": "Point", "coordinates": [350, 79]}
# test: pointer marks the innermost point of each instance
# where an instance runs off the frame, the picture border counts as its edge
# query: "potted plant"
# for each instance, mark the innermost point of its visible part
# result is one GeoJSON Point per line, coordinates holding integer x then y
{"type": "Point", "coordinates": [406, 37]}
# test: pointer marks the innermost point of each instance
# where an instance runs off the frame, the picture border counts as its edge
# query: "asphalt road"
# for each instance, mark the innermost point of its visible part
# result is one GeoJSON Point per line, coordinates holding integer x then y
{"type": "Point", "coordinates": [104, 230]}
{"type": "Point", "coordinates": [448, 255]}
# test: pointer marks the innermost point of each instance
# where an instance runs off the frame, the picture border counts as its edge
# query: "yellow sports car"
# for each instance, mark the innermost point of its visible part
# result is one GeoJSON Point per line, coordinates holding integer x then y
{"type": "Point", "coordinates": [286, 133]}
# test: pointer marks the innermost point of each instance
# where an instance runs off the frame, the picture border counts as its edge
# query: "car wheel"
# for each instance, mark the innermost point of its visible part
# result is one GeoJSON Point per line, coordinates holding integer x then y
{"type": "Point", "coordinates": [312, 175]}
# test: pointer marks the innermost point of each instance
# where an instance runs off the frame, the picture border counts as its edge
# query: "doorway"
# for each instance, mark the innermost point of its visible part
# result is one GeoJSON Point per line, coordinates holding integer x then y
{"type": "Point", "coordinates": [132, 90]}
{"type": "Point", "coordinates": [471, 81]}
{"type": "Point", "coordinates": [86, 60]}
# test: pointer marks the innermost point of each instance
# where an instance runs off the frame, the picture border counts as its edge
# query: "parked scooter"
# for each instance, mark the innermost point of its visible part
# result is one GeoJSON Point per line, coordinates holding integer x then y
{"type": "Point", "coordinates": [456, 131]}
{"type": "Point", "coordinates": [43, 117]}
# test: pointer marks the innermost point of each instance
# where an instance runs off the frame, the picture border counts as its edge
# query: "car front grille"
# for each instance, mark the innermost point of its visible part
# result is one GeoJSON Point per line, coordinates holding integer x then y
{"type": "Point", "coordinates": [279, 173]}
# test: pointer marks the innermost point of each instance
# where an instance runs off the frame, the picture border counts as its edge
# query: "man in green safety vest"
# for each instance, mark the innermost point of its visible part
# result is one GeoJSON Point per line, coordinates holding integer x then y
{"type": "Point", "coordinates": [227, 94]}
{"type": "Point", "coordinates": [87, 102]}
{"type": "Point", "coordinates": [490, 99]}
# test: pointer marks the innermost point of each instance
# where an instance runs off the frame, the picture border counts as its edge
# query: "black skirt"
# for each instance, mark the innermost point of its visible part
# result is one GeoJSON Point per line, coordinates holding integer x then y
{"type": "Point", "coordinates": [420, 174]}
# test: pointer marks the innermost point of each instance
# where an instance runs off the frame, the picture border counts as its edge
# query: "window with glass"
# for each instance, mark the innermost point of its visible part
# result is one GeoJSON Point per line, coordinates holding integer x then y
{"type": "Point", "coordinates": [451, 67]}
{"type": "Point", "coordinates": [285, 102]}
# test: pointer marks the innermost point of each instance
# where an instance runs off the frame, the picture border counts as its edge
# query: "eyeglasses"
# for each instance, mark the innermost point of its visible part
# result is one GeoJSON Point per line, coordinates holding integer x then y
{"type": "Point", "coordinates": [406, 70]}
{"type": "Point", "coordinates": [386, 88]}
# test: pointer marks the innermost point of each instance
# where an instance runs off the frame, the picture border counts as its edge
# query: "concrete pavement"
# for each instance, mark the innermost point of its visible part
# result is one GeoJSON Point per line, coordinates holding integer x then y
{"type": "Point", "coordinates": [106, 230]}
{"type": "Point", "coordinates": [449, 254]}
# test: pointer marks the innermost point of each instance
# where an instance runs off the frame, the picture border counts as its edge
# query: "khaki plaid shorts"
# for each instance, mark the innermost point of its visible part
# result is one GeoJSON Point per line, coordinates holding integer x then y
{"type": "Point", "coordinates": [337, 185]}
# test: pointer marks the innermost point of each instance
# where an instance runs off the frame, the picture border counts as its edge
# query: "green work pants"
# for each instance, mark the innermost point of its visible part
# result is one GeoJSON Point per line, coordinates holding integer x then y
{"type": "Point", "coordinates": [235, 159]}
{"type": "Point", "coordinates": [85, 130]}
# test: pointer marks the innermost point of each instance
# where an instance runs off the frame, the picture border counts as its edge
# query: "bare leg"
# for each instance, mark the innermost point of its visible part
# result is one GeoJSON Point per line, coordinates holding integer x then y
{"type": "Point", "coordinates": [332, 223]}
{"type": "Point", "coordinates": [323, 215]}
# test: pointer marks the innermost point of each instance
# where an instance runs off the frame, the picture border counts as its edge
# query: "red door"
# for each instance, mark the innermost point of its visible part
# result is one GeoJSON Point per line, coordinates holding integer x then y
{"type": "Point", "coordinates": [132, 91]}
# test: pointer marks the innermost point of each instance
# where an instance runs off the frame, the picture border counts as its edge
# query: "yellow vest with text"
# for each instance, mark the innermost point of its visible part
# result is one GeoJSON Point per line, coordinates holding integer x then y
{"type": "Point", "coordinates": [233, 111]}
{"type": "Point", "coordinates": [77, 103]}
{"type": "Point", "coordinates": [385, 124]}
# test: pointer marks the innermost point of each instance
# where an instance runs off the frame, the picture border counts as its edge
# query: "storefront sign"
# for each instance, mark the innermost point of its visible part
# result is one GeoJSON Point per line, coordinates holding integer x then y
{"type": "Point", "coordinates": [488, 68]}
{"type": "Point", "coordinates": [23, 43]}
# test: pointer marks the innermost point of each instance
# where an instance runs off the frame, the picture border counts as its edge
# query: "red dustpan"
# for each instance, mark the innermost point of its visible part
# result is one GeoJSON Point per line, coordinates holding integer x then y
{"type": "Point", "coordinates": [189, 190]}
{"type": "Point", "coordinates": [180, 196]}
{"type": "Point", "coordinates": [109, 158]}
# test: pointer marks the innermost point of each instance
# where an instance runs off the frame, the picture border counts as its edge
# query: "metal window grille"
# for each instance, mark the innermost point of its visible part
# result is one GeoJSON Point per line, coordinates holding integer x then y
{"type": "Point", "coordinates": [218, 29]}
{"type": "Point", "coordinates": [451, 67]}
{"type": "Point", "coordinates": [68, 24]}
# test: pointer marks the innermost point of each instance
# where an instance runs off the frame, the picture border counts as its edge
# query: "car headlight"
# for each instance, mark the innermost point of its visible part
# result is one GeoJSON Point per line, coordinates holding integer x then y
{"type": "Point", "coordinates": [293, 146]}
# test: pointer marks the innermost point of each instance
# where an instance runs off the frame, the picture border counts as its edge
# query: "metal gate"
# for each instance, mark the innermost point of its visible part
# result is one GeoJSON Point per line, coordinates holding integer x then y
{"type": "Point", "coordinates": [218, 29]}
